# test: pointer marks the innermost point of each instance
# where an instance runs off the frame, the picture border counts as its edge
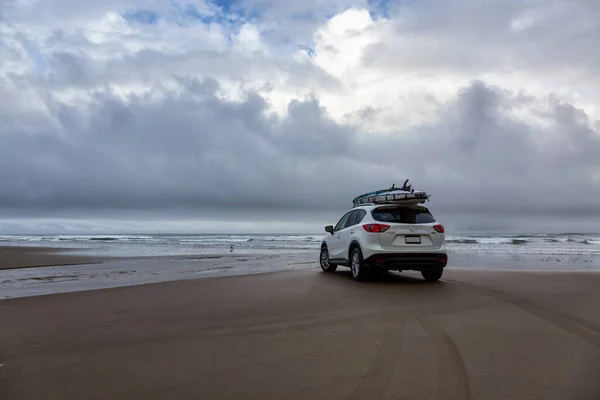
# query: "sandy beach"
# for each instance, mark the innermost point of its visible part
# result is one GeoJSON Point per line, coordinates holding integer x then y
{"type": "Point", "coordinates": [15, 257]}
{"type": "Point", "coordinates": [305, 334]}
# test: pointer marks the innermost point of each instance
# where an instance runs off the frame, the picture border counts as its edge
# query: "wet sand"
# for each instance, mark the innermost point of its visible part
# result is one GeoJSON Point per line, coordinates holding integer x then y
{"type": "Point", "coordinates": [310, 335]}
{"type": "Point", "coordinates": [15, 257]}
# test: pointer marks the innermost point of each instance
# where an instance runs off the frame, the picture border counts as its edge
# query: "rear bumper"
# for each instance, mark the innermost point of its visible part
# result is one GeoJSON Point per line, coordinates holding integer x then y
{"type": "Point", "coordinates": [407, 261]}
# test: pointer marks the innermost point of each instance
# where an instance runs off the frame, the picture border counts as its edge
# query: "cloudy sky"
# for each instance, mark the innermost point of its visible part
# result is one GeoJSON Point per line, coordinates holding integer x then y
{"type": "Point", "coordinates": [273, 114]}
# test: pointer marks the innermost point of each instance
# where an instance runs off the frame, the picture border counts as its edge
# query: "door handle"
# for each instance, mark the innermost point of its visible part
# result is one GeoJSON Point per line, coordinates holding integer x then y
{"type": "Point", "coordinates": [352, 231]}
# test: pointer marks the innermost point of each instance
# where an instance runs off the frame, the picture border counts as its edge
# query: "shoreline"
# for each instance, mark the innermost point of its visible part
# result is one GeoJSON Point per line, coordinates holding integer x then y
{"type": "Point", "coordinates": [35, 271]}
{"type": "Point", "coordinates": [78, 274]}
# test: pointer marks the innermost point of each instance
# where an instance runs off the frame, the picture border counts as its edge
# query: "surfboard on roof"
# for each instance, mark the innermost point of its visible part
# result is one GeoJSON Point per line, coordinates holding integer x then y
{"type": "Point", "coordinates": [403, 195]}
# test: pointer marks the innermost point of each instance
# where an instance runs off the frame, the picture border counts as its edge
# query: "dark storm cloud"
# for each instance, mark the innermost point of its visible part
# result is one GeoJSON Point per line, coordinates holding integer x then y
{"type": "Point", "coordinates": [190, 150]}
{"type": "Point", "coordinates": [194, 151]}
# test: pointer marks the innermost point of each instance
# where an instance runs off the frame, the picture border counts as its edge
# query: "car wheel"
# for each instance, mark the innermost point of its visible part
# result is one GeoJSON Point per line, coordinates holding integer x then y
{"type": "Point", "coordinates": [432, 274]}
{"type": "Point", "coordinates": [326, 265]}
{"type": "Point", "coordinates": [357, 265]}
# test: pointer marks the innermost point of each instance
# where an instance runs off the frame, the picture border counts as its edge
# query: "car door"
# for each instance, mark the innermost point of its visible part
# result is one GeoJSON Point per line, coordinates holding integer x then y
{"type": "Point", "coordinates": [347, 232]}
{"type": "Point", "coordinates": [336, 250]}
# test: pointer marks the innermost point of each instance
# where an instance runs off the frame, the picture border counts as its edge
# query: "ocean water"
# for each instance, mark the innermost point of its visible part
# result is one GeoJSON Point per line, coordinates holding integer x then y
{"type": "Point", "coordinates": [229, 255]}
{"type": "Point", "coordinates": [157, 244]}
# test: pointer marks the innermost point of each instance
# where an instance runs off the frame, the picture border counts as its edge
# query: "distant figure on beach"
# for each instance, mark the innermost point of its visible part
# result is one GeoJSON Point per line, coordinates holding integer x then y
{"type": "Point", "coordinates": [231, 248]}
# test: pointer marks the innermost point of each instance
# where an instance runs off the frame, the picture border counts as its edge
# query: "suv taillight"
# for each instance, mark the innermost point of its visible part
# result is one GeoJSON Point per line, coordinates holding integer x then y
{"type": "Point", "coordinates": [439, 228]}
{"type": "Point", "coordinates": [376, 228]}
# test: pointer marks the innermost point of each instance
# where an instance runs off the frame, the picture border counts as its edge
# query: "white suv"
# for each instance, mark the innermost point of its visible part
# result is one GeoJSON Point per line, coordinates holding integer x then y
{"type": "Point", "coordinates": [387, 237]}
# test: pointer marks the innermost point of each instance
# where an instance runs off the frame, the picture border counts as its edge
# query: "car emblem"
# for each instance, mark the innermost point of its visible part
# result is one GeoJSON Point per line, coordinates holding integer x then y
{"type": "Point", "coordinates": [413, 228]}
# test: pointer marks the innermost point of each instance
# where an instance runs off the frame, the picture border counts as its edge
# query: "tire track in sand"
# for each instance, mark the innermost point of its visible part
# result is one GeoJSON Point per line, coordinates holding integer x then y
{"type": "Point", "coordinates": [453, 377]}
{"type": "Point", "coordinates": [376, 380]}
{"type": "Point", "coordinates": [586, 330]}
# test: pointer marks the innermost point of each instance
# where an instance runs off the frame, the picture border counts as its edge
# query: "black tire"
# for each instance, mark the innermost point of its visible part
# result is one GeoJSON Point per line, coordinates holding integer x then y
{"type": "Point", "coordinates": [432, 274]}
{"type": "Point", "coordinates": [326, 265]}
{"type": "Point", "coordinates": [357, 265]}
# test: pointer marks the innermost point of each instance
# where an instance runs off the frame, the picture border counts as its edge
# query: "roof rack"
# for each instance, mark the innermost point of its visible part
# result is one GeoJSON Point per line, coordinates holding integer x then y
{"type": "Point", "coordinates": [364, 204]}
{"type": "Point", "coordinates": [398, 203]}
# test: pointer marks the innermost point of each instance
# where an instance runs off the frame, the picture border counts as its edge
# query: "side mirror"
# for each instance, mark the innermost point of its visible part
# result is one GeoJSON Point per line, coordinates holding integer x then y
{"type": "Point", "coordinates": [329, 228]}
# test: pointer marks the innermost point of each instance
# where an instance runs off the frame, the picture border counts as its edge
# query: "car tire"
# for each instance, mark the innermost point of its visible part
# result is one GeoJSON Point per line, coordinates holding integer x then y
{"type": "Point", "coordinates": [357, 265]}
{"type": "Point", "coordinates": [432, 274]}
{"type": "Point", "coordinates": [326, 265]}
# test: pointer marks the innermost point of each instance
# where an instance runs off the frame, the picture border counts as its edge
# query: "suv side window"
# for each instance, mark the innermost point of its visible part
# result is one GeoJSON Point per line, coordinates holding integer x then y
{"type": "Point", "coordinates": [352, 219]}
{"type": "Point", "coordinates": [343, 222]}
{"type": "Point", "coordinates": [358, 216]}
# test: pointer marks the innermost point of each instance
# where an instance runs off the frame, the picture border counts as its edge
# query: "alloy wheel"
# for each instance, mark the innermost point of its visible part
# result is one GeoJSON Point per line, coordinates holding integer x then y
{"type": "Point", "coordinates": [324, 259]}
{"type": "Point", "coordinates": [355, 264]}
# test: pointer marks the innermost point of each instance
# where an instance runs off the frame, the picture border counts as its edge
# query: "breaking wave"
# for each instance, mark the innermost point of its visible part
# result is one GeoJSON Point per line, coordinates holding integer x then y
{"type": "Point", "coordinates": [458, 243]}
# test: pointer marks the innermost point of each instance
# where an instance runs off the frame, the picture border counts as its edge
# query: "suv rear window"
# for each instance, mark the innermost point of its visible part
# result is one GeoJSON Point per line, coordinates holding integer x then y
{"type": "Point", "coordinates": [402, 215]}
